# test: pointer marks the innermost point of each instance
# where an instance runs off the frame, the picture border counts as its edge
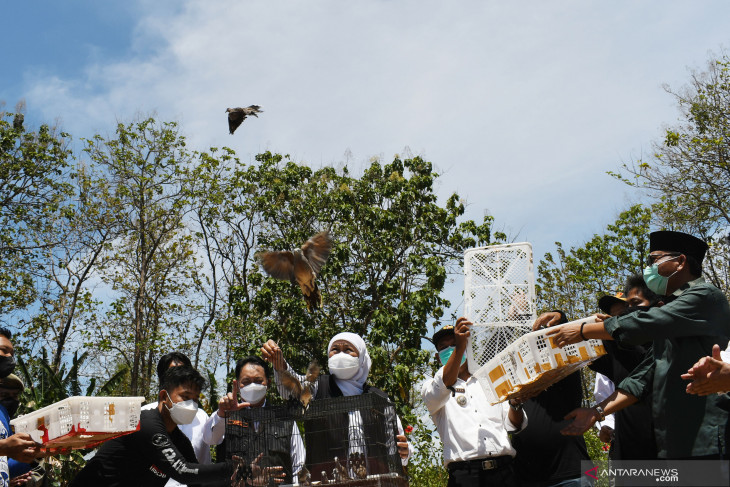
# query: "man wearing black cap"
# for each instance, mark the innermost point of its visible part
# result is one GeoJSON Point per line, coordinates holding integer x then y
{"type": "Point", "coordinates": [695, 317]}
{"type": "Point", "coordinates": [477, 450]}
{"type": "Point", "coordinates": [633, 429]}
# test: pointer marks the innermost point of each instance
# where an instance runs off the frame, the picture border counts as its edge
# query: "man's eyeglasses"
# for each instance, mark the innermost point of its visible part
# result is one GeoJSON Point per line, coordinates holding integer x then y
{"type": "Point", "coordinates": [653, 258]}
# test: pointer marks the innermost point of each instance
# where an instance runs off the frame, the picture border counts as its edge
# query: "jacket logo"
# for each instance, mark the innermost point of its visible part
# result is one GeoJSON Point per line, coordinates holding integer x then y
{"type": "Point", "coordinates": [237, 422]}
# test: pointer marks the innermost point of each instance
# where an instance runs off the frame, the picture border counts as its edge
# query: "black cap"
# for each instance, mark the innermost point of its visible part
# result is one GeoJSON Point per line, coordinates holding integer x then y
{"type": "Point", "coordinates": [606, 302]}
{"type": "Point", "coordinates": [12, 381]}
{"type": "Point", "coordinates": [445, 330]}
{"type": "Point", "coordinates": [678, 242]}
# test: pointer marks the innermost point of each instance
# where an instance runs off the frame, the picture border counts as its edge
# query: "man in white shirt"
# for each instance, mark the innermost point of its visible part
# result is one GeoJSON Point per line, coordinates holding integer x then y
{"type": "Point", "coordinates": [477, 450]}
{"type": "Point", "coordinates": [604, 387]}
{"type": "Point", "coordinates": [194, 430]}
{"type": "Point", "coordinates": [253, 378]}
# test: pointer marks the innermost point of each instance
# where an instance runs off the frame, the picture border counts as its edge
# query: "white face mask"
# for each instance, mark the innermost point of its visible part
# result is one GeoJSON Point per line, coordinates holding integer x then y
{"type": "Point", "coordinates": [182, 412]}
{"type": "Point", "coordinates": [343, 365]}
{"type": "Point", "coordinates": [253, 393]}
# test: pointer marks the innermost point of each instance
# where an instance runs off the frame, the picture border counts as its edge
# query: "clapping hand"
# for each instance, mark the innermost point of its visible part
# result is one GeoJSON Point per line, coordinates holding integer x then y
{"type": "Point", "coordinates": [708, 375]}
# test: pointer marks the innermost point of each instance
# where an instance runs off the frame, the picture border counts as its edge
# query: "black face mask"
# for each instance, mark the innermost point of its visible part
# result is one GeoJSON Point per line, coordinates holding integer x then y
{"type": "Point", "coordinates": [632, 309]}
{"type": "Point", "coordinates": [7, 366]}
{"type": "Point", "coordinates": [10, 405]}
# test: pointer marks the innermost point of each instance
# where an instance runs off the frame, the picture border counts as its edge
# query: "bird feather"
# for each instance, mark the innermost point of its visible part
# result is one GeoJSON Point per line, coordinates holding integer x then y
{"type": "Point", "coordinates": [301, 266]}
{"type": "Point", "coordinates": [279, 265]}
{"type": "Point", "coordinates": [316, 250]}
{"type": "Point", "coordinates": [291, 384]}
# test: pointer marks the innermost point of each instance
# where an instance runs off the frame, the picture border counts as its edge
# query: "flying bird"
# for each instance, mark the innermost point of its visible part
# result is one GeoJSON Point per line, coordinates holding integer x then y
{"type": "Point", "coordinates": [301, 391]}
{"type": "Point", "coordinates": [300, 266]}
{"type": "Point", "coordinates": [236, 116]}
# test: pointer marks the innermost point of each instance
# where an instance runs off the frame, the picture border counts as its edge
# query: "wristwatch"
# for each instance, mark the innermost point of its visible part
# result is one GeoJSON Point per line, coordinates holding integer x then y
{"type": "Point", "coordinates": [515, 407]}
{"type": "Point", "coordinates": [600, 411]}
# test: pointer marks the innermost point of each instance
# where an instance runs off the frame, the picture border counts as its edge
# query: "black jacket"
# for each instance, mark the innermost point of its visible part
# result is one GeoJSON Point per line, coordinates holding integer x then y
{"type": "Point", "coordinates": [148, 458]}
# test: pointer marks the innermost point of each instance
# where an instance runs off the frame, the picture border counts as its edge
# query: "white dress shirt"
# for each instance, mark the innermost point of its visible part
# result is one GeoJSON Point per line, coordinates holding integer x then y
{"type": "Point", "coordinates": [472, 431]}
{"type": "Point", "coordinates": [604, 387]}
{"type": "Point", "coordinates": [215, 430]}
{"type": "Point", "coordinates": [194, 432]}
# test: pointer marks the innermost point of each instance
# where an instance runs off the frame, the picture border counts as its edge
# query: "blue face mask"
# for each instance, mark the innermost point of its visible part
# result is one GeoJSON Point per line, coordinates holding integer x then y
{"type": "Point", "coordinates": [655, 281]}
{"type": "Point", "coordinates": [446, 353]}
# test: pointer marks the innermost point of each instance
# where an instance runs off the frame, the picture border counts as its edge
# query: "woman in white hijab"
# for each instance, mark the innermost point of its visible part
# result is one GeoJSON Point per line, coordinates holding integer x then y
{"type": "Point", "coordinates": [349, 366]}
{"type": "Point", "coordinates": [349, 363]}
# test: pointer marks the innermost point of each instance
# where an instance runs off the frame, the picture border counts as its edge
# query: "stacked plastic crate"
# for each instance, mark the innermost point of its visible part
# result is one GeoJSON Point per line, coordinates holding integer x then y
{"type": "Point", "coordinates": [80, 422]}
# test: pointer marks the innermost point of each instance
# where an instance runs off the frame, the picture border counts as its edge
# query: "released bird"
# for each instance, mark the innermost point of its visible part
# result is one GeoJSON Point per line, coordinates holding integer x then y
{"type": "Point", "coordinates": [301, 391]}
{"type": "Point", "coordinates": [301, 266]}
{"type": "Point", "coordinates": [237, 115]}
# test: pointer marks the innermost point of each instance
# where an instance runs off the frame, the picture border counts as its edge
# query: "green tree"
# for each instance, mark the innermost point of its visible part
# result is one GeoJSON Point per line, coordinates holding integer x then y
{"type": "Point", "coordinates": [226, 223]}
{"type": "Point", "coordinates": [34, 169]}
{"type": "Point", "coordinates": [67, 267]}
{"type": "Point", "coordinates": [575, 280]}
{"type": "Point", "coordinates": [688, 173]}
{"type": "Point", "coordinates": [151, 263]}
{"type": "Point", "coordinates": [394, 247]}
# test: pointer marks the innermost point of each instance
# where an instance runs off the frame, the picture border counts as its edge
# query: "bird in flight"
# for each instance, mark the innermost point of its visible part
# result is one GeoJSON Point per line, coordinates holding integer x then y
{"type": "Point", "coordinates": [236, 116]}
{"type": "Point", "coordinates": [301, 391]}
{"type": "Point", "coordinates": [300, 266]}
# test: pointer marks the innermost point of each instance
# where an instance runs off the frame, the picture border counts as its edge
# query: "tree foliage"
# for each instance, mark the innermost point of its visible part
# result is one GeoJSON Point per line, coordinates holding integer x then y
{"type": "Point", "coordinates": [688, 173]}
{"type": "Point", "coordinates": [394, 246]}
{"type": "Point", "coordinates": [575, 280]}
{"type": "Point", "coordinates": [34, 182]}
{"type": "Point", "coordinates": [151, 262]}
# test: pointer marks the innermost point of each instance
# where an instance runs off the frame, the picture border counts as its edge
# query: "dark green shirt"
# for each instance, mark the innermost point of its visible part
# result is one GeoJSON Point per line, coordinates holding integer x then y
{"type": "Point", "coordinates": [682, 332]}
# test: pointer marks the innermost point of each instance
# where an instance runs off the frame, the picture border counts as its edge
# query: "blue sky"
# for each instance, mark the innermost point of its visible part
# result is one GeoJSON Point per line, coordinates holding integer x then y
{"type": "Point", "coordinates": [523, 106]}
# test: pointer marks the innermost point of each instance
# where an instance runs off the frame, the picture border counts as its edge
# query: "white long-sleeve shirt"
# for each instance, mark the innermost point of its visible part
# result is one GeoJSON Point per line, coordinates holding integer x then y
{"type": "Point", "coordinates": [476, 429]}
{"type": "Point", "coordinates": [194, 432]}
{"type": "Point", "coordinates": [604, 387]}
{"type": "Point", "coordinates": [215, 430]}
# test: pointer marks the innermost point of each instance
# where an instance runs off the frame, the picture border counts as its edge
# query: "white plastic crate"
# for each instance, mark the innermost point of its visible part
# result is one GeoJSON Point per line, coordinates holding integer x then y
{"type": "Point", "coordinates": [81, 422]}
{"type": "Point", "coordinates": [499, 297]}
{"type": "Point", "coordinates": [533, 362]}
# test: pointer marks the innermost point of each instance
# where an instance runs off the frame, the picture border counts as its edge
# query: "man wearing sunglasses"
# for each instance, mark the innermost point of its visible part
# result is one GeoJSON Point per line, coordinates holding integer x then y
{"type": "Point", "coordinates": [695, 317]}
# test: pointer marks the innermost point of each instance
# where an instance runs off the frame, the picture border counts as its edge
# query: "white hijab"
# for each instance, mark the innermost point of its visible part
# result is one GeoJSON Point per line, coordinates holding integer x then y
{"type": "Point", "coordinates": [354, 385]}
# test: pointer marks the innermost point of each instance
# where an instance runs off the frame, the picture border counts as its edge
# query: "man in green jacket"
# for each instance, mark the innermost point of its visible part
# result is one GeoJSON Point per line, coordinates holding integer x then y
{"type": "Point", "coordinates": [695, 317]}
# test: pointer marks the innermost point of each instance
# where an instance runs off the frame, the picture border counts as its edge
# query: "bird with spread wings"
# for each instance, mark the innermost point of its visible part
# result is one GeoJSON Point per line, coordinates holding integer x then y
{"type": "Point", "coordinates": [300, 266]}
{"type": "Point", "coordinates": [237, 115]}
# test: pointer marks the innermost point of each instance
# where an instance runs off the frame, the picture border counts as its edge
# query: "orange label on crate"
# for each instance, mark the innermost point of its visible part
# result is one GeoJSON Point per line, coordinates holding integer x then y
{"type": "Point", "coordinates": [504, 388]}
{"type": "Point", "coordinates": [496, 373]}
{"type": "Point", "coordinates": [583, 353]}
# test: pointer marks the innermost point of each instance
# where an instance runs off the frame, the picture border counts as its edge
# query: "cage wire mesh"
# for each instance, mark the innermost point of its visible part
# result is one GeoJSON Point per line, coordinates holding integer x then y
{"type": "Point", "coordinates": [499, 298]}
{"type": "Point", "coordinates": [348, 441]}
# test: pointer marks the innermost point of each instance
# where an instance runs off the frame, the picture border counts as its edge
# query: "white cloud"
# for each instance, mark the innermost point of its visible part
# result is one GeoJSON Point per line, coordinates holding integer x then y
{"type": "Point", "coordinates": [524, 105]}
